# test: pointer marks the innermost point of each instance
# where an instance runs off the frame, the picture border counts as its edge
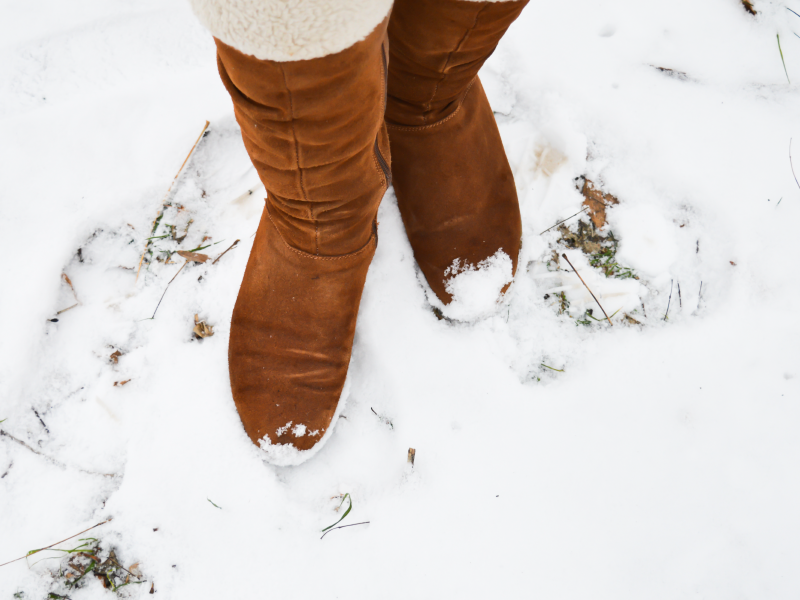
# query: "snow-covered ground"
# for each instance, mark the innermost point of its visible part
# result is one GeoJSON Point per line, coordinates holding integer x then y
{"type": "Point", "coordinates": [658, 460]}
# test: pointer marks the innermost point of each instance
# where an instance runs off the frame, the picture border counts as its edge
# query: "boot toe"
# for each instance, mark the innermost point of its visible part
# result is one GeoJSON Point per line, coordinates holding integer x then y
{"type": "Point", "coordinates": [458, 200]}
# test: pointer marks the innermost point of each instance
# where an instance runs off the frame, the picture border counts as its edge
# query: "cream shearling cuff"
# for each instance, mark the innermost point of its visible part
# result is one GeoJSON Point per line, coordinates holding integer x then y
{"type": "Point", "coordinates": [284, 30]}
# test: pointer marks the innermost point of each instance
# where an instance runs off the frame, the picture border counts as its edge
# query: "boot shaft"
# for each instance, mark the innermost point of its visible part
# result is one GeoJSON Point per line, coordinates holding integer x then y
{"type": "Point", "coordinates": [314, 131]}
{"type": "Point", "coordinates": [437, 49]}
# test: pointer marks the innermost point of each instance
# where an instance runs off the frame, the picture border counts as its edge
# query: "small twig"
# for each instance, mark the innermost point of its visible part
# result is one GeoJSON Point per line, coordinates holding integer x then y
{"type": "Point", "coordinates": [50, 458]}
{"type": "Point", "coordinates": [574, 270]}
{"type": "Point", "coordinates": [166, 288]}
{"type": "Point", "coordinates": [163, 205]}
{"type": "Point", "coordinates": [553, 368]}
{"type": "Point", "coordinates": [224, 253]}
{"type": "Point", "coordinates": [680, 300]}
{"type": "Point", "coordinates": [40, 419]}
{"type": "Point", "coordinates": [382, 419]}
{"type": "Point", "coordinates": [700, 295]}
{"type": "Point", "coordinates": [791, 164]}
{"type": "Point", "coordinates": [791, 11]}
{"type": "Point", "coordinates": [63, 310]}
{"type": "Point", "coordinates": [116, 562]}
{"type": "Point", "coordinates": [55, 544]}
{"type": "Point", "coordinates": [666, 314]}
{"type": "Point", "coordinates": [585, 208]}
{"type": "Point", "coordinates": [343, 526]}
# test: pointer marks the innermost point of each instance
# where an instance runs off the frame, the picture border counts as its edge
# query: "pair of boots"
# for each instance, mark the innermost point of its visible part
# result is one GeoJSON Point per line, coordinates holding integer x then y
{"type": "Point", "coordinates": [320, 132]}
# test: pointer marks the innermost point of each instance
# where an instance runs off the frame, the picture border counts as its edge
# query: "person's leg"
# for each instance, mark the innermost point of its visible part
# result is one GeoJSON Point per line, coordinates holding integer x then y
{"type": "Point", "coordinates": [453, 183]}
{"type": "Point", "coordinates": [314, 131]}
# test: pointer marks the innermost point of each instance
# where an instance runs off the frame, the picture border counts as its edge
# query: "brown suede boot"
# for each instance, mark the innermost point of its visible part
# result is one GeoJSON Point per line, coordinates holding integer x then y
{"type": "Point", "coordinates": [454, 186]}
{"type": "Point", "coordinates": [314, 131]}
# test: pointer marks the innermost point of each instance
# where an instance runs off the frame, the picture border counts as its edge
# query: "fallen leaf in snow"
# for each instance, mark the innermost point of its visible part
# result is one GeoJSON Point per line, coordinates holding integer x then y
{"type": "Point", "coordinates": [597, 202]}
{"type": "Point", "coordinates": [193, 256]}
{"type": "Point", "coordinates": [672, 73]}
{"type": "Point", "coordinates": [115, 356]}
{"type": "Point", "coordinates": [120, 383]}
{"type": "Point", "coordinates": [748, 6]}
{"type": "Point", "coordinates": [631, 320]}
{"type": "Point", "coordinates": [201, 329]}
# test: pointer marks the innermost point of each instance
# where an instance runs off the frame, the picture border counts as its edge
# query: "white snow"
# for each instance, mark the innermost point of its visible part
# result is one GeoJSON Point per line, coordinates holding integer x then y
{"type": "Point", "coordinates": [649, 241]}
{"type": "Point", "coordinates": [553, 459]}
{"type": "Point", "coordinates": [475, 289]}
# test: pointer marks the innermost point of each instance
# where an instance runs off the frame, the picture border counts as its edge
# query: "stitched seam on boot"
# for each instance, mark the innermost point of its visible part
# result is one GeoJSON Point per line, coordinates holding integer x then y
{"type": "Point", "coordinates": [364, 248]}
{"type": "Point", "coordinates": [443, 121]}
{"type": "Point", "coordinates": [447, 62]}
{"type": "Point", "coordinates": [384, 93]}
{"type": "Point", "coordinates": [380, 171]}
{"type": "Point", "coordinates": [297, 161]}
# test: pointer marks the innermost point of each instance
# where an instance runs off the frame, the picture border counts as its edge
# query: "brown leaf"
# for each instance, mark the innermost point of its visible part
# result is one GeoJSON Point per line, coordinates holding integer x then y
{"type": "Point", "coordinates": [412, 454]}
{"type": "Point", "coordinates": [631, 320]}
{"type": "Point", "coordinates": [193, 256]}
{"type": "Point", "coordinates": [115, 356]}
{"type": "Point", "coordinates": [202, 330]}
{"type": "Point", "coordinates": [121, 383]}
{"type": "Point", "coordinates": [597, 202]}
{"type": "Point", "coordinates": [748, 6]}
{"type": "Point", "coordinates": [732, 263]}
{"type": "Point", "coordinates": [152, 588]}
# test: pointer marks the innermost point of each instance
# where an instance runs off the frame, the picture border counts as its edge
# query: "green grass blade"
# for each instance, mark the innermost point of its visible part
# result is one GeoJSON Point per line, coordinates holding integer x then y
{"type": "Point", "coordinates": [782, 60]}
{"type": "Point", "coordinates": [128, 583]}
{"type": "Point", "coordinates": [347, 512]}
{"type": "Point", "coordinates": [85, 573]}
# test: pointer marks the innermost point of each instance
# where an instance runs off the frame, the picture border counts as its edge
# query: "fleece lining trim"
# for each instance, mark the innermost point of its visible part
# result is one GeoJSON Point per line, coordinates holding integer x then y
{"type": "Point", "coordinates": [286, 30]}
